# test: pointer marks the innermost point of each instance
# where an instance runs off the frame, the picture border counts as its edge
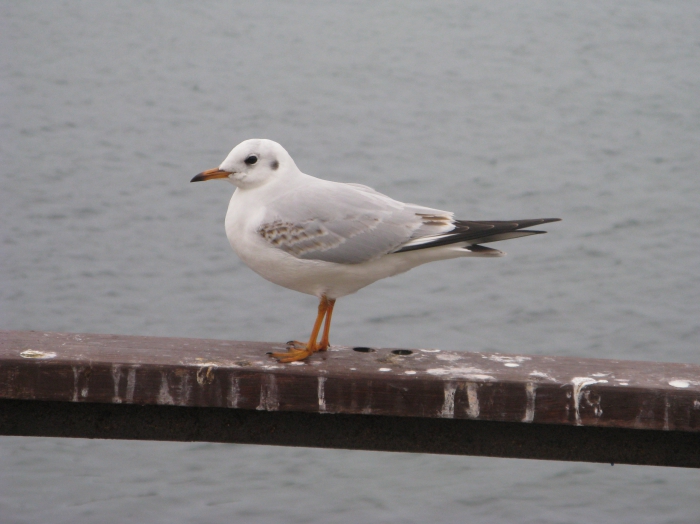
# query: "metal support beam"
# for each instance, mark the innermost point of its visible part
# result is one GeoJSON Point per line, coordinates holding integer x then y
{"type": "Point", "coordinates": [148, 388]}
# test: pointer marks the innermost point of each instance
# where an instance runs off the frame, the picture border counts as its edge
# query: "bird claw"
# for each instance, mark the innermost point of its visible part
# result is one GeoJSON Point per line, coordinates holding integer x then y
{"type": "Point", "coordinates": [292, 355]}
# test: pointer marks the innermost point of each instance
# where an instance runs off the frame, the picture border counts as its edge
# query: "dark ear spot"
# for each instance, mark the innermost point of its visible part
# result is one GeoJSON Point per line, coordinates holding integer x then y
{"type": "Point", "coordinates": [275, 164]}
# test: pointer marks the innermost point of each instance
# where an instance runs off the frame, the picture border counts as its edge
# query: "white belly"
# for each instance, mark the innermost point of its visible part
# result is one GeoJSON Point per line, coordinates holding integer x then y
{"type": "Point", "coordinates": [313, 277]}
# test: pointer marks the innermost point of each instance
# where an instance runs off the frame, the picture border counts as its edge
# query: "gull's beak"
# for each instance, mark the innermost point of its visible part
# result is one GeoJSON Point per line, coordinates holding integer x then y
{"type": "Point", "coordinates": [210, 174]}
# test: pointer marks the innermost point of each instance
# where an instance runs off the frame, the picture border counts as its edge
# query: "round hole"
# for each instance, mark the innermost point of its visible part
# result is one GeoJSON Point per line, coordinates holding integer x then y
{"type": "Point", "coordinates": [363, 350]}
{"type": "Point", "coordinates": [402, 352]}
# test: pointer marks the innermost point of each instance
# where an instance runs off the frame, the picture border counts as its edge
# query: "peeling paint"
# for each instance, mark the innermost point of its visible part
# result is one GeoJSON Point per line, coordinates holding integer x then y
{"type": "Point", "coordinates": [321, 394]}
{"type": "Point", "coordinates": [531, 393]}
{"type": "Point", "coordinates": [448, 405]}
{"type": "Point", "coordinates": [472, 396]}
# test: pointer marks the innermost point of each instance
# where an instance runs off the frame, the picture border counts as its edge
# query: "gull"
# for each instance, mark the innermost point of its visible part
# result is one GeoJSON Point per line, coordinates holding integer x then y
{"type": "Point", "coordinates": [331, 239]}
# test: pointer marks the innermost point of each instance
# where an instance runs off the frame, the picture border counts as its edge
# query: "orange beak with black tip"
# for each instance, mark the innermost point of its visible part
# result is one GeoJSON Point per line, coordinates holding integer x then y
{"type": "Point", "coordinates": [210, 174]}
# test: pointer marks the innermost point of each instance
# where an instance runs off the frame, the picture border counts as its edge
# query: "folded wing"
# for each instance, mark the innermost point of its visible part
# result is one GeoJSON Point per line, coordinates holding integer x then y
{"type": "Point", "coordinates": [351, 224]}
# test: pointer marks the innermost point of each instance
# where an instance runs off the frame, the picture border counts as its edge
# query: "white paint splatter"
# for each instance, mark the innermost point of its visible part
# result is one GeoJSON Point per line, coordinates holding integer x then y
{"type": "Point", "coordinates": [186, 389]}
{"type": "Point", "coordinates": [296, 363]}
{"type": "Point", "coordinates": [116, 380]}
{"type": "Point", "coordinates": [457, 372]}
{"type": "Point", "coordinates": [595, 403]}
{"type": "Point", "coordinates": [164, 396]}
{"type": "Point", "coordinates": [268, 395]}
{"type": "Point", "coordinates": [531, 392]}
{"type": "Point", "coordinates": [599, 374]}
{"type": "Point", "coordinates": [679, 383]}
{"type": "Point", "coordinates": [322, 394]}
{"type": "Point", "coordinates": [511, 365]}
{"type": "Point", "coordinates": [450, 357]}
{"type": "Point", "coordinates": [430, 350]}
{"type": "Point", "coordinates": [448, 405]}
{"type": "Point", "coordinates": [580, 383]}
{"type": "Point", "coordinates": [696, 404]}
{"type": "Point", "coordinates": [130, 385]}
{"type": "Point", "coordinates": [410, 372]}
{"type": "Point", "coordinates": [384, 369]}
{"type": "Point", "coordinates": [234, 392]}
{"type": "Point", "coordinates": [40, 355]}
{"type": "Point", "coordinates": [205, 374]}
{"type": "Point", "coordinates": [76, 375]}
{"type": "Point", "coordinates": [540, 374]}
{"type": "Point", "coordinates": [507, 358]}
{"type": "Point", "coordinates": [472, 396]}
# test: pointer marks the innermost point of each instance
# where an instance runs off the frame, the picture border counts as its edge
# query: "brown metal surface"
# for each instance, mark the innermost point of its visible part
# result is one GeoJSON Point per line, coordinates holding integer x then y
{"type": "Point", "coordinates": [413, 383]}
{"type": "Point", "coordinates": [363, 432]}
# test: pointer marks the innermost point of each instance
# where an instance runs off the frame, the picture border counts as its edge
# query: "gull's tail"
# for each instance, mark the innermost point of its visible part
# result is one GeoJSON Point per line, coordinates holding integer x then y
{"type": "Point", "coordinates": [474, 233]}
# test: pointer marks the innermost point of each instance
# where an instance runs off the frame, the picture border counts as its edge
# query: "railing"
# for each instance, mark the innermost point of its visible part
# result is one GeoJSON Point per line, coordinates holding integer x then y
{"type": "Point", "coordinates": [420, 400]}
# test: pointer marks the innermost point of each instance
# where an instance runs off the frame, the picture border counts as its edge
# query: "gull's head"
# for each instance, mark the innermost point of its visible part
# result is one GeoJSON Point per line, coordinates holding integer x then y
{"type": "Point", "coordinates": [252, 163]}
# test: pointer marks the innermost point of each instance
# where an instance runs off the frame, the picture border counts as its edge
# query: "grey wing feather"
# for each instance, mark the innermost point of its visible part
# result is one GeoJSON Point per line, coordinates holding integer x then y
{"type": "Point", "coordinates": [346, 223]}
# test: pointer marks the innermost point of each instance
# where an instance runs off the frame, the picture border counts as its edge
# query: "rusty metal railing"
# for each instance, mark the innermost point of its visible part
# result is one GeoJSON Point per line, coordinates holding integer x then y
{"type": "Point", "coordinates": [411, 400]}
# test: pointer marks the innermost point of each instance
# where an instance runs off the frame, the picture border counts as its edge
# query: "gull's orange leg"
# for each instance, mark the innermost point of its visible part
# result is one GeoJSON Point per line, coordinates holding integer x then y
{"type": "Point", "coordinates": [325, 344]}
{"type": "Point", "coordinates": [300, 354]}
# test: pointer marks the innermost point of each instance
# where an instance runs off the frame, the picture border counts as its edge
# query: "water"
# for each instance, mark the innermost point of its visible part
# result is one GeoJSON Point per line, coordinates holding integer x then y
{"type": "Point", "coordinates": [515, 110]}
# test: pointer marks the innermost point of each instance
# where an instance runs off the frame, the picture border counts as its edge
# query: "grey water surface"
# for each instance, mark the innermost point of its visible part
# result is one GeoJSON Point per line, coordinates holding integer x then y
{"type": "Point", "coordinates": [505, 110]}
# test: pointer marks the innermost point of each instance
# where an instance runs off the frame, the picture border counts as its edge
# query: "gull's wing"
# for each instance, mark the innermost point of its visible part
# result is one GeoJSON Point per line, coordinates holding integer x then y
{"type": "Point", "coordinates": [346, 223]}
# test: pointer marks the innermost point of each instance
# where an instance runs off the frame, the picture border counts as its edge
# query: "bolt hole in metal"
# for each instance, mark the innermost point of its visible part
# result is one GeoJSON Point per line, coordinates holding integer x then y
{"type": "Point", "coordinates": [402, 352]}
{"type": "Point", "coordinates": [361, 349]}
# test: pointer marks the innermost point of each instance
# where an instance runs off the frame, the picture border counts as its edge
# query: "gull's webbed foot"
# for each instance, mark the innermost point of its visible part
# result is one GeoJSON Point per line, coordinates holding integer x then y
{"type": "Point", "coordinates": [295, 351]}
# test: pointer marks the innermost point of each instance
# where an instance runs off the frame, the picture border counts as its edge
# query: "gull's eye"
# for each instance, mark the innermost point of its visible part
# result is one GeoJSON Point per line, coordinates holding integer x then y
{"type": "Point", "coordinates": [251, 160]}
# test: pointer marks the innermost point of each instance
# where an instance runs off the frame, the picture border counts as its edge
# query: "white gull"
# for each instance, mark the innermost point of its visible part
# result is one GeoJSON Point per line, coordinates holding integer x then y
{"type": "Point", "coordinates": [330, 239]}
